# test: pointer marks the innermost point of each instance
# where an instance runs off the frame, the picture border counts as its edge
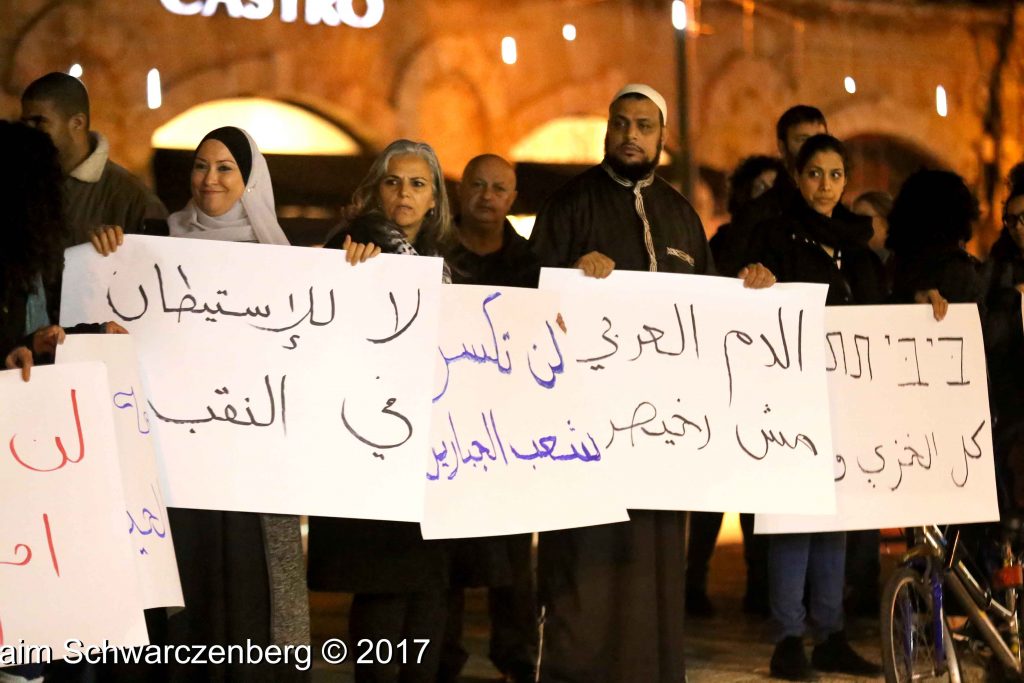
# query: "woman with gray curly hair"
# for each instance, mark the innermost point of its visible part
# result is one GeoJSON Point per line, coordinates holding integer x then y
{"type": "Point", "coordinates": [399, 581]}
{"type": "Point", "coordinates": [400, 206]}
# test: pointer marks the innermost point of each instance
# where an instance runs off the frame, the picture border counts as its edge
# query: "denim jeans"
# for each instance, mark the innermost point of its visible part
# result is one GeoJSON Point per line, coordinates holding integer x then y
{"type": "Point", "coordinates": [816, 561]}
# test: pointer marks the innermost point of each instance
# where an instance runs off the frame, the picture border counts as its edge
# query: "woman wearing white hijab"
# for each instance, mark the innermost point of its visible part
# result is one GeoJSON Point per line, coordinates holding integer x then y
{"type": "Point", "coordinates": [232, 197]}
{"type": "Point", "coordinates": [233, 200]}
{"type": "Point", "coordinates": [242, 574]}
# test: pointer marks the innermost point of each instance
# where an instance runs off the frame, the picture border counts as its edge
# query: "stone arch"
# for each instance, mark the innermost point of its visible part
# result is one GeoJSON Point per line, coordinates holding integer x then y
{"type": "Point", "coordinates": [587, 97]}
{"type": "Point", "coordinates": [575, 140]}
{"type": "Point", "coordinates": [739, 106]}
{"type": "Point", "coordinates": [102, 37]}
{"type": "Point", "coordinates": [277, 127]}
{"type": "Point", "coordinates": [915, 128]}
{"type": "Point", "coordinates": [450, 94]}
{"type": "Point", "coordinates": [883, 162]}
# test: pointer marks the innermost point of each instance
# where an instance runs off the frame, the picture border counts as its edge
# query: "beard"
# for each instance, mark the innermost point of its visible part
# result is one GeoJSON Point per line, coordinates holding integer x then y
{"type": "Point", "coordinates": [634, 171]}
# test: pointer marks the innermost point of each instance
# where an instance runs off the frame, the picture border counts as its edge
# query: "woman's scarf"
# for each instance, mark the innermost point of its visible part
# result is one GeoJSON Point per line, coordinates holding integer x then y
{"type": "Point", "coordinates": [843, 229]}
{"type": "Point", "coordinates": [252, 219]}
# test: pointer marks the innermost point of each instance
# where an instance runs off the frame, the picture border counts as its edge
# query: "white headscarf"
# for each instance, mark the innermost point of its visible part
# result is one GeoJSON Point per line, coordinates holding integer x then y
{"type": "Point", "coordinates": [252, 219]}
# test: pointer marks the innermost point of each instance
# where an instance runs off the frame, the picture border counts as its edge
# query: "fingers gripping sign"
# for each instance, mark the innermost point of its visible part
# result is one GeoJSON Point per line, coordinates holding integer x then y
{"type": "Point", "coordinates": [757, 276]}
{"type": "Point", "coordinates": [595, 264]}
{"type": "Point", "coordinates": [107, 238]}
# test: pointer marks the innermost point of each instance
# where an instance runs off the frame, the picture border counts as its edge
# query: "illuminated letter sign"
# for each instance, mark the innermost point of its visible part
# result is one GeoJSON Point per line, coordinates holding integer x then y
{"type": "Point", "coordinates": [329, 12]}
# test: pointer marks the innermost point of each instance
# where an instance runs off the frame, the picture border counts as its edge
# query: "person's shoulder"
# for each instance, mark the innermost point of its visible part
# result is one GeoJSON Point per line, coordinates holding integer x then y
{"type": "Point", "coordinates": [580, 185]}
{"type": "Point", "coordinates": [668, 192]}
{"type": "Point", "coordinates": [118, 173]}
{"type": "Point", "coordinates": [518, 247]}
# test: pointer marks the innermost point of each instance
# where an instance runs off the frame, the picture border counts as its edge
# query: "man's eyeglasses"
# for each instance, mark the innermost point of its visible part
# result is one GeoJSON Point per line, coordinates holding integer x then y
{"type": "Point", "coordinates": [1013, 220]}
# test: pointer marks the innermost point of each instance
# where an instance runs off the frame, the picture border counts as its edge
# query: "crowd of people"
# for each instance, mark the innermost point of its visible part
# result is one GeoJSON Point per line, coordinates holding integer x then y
{"type": "Point", "coordinates": [606, 603]}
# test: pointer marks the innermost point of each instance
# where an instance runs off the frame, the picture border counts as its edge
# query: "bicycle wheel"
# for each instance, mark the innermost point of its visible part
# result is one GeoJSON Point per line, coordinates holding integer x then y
{"type": "Point", "coordinates": [909, 640]}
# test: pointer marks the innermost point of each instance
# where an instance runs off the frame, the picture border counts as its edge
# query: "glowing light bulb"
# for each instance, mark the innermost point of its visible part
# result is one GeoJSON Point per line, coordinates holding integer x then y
{"type": "Point", "coordinates": [679, 18]}
{"type": "Point", "coordinates": [75, 70]}
{"type": "Point", "coordinates": [569, 32]}
{"type": "Point", "coordinates": [509, 55]}
{"type": "Point", "coordinates": [941, 105]}
{"type": "Point", "coordinates": [850, 84]}
{"type": "Point", "coordinates": [154, 98]}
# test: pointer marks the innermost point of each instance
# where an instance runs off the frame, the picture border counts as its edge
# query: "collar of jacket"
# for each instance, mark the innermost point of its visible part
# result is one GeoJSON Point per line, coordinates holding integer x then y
{"type": "Point", "coordinates": [625, 182]}
{"type": "Point", "coordinates": [91, 170]}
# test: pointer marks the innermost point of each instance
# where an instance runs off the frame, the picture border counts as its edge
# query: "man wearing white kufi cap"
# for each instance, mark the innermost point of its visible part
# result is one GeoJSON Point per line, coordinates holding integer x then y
{"type": "Point", "coordinates": [612, 595]}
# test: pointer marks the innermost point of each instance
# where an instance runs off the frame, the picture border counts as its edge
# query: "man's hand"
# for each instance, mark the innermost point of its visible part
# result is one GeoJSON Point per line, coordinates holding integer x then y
{"type": "Point", "coordinates": [358, 253]}
{"type": "Point", "coordinates": [46, 339]}
{"type": "Point", "coordinates": [931, 296]}
{"type": "Point", "coordinates": [595, 264]}
{"type": "Point", "coordinates": [20, 357]}
{"type": "Point", "coordinates": [107, 238]}
{"type": "Point", "coordinates": [110, 327]}
{"type": "Point", "coordinates": [756, 276]}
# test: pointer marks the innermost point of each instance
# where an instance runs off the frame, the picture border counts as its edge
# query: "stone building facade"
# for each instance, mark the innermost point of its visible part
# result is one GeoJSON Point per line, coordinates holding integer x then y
{"type": "Point", "coordinates": [432, 70]}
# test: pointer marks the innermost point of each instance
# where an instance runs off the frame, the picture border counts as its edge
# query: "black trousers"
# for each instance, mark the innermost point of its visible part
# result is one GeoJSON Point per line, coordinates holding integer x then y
{"type": "Point", "coordinates": [388, 619]}
{"type": "Point", "coordinates": [704, 528]}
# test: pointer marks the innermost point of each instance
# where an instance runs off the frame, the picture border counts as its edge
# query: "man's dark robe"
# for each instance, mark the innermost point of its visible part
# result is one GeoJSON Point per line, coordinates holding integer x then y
{"type": "Point", "coordinates": [612, 595]}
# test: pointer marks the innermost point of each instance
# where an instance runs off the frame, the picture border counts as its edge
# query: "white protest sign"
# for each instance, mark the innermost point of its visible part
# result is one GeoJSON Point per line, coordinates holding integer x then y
{"type": "Point", "coordinates": [66, 565]}
{"type": "Point", "coordinates": [505, 456]}
{"type": "Point", "coordinates": [280, 379]}
{"type": "Point", "coordinates": [910, 421]}
{"type": "Point", "coordinates": [704, 395]}
{"type": "Point", "coordinates": [146, 514]}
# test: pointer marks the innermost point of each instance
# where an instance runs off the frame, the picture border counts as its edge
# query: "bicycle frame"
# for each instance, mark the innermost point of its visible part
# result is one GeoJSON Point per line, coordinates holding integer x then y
{"type": "Point", "coordinates": [949, 569]}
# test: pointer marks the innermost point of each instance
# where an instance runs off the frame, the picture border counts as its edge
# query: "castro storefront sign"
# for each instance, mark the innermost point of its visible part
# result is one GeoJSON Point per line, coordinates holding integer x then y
{"type": "Point", "coordinates": [313, 12]}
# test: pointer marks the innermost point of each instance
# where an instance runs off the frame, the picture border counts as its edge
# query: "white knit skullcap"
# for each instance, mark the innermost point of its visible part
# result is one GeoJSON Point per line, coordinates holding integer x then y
{"type": "Point", "coordinates": [648, 92]}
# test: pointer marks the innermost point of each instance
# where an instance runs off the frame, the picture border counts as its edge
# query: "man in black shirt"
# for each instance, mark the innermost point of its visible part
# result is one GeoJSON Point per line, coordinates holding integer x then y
{"type": "Point", "coordinates": [490, 251]}
{"type": "Point", "coordinates": [612, 594]}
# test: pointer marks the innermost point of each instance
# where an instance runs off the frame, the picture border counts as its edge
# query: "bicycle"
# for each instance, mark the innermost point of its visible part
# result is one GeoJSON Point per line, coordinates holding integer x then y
{"type": "Point", "coordinates": [917, 640]}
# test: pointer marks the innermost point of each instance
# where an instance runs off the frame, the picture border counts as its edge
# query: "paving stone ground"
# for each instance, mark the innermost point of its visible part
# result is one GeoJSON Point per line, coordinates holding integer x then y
{"type": "Point", "coordinates": [729, 647]}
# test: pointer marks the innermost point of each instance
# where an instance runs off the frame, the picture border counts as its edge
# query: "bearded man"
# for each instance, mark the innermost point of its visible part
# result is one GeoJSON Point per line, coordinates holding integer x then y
{"type": "Point", "coordinates": [612, 595]}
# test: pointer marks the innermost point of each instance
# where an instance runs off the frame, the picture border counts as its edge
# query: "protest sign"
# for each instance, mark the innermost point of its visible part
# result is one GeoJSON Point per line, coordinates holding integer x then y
{"type": "Point", "coordinates": [506, 456]}
{"type": "Point", "coordinates": [146, 513]}
{"type": "Point", "coordinates": [66, 565]}
{"type": "Point", "coordinates": [704, 395]}
{"type": "Point", "coordinates": [910, 420]}
{"type": "Point", "coordinates": [279, 379]}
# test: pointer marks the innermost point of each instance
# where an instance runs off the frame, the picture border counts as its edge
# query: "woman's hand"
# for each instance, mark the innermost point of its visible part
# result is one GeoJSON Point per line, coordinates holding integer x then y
{"type": "Point", "coordinates": [358, 253]}
{"type": "Point", "coordinates": [757, 276]}
{"type": "Point", "coordinates": [931, 296]}
{"type": "Point", "coordinates": [107, 238]}
{"type": "Point", "coordinates": [21, 357]}
{"type": "Point", "coordinates": [46, 339]}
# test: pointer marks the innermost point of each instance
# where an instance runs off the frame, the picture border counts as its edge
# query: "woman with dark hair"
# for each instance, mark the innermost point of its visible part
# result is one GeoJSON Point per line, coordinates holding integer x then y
{"type": "Point", "coordinates": [877, 206]}
{"type": "Point", "coordinates": [752, 178]}
{"type": "Point", "coordinates": [32, 257]}
{"type": "Point", "coordinates": [817, 241]}
{"type": "Point", "coordinates": [1004, 342]}
{"type": "Point", "coordinates": [400, 581]}
{"type": "Point", "coordinates": [31, 261]}
{"type": "Point", "coordinates": [930, 222]}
